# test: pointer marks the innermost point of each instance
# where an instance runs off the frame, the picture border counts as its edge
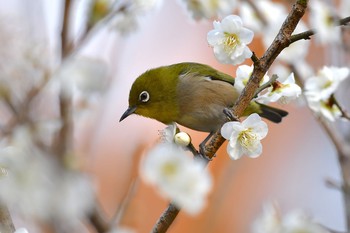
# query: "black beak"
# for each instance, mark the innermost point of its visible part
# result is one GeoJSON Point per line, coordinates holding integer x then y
{"type": "Point", "coordinates": [128, 112]}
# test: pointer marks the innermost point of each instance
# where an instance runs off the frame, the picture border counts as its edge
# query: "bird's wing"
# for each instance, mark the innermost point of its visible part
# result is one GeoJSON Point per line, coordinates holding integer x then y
{"type": "Point", "coordinates": [202, 70]}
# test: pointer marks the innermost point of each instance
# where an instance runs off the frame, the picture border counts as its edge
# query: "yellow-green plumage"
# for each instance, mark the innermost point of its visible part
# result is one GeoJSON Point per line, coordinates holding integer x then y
{"type": "Point", "coordinates": [190, 94]}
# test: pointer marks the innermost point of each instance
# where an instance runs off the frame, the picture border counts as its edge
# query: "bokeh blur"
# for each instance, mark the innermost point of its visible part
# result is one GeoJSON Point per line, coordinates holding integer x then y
{"type": "Point", "coordinates": [298, 156]}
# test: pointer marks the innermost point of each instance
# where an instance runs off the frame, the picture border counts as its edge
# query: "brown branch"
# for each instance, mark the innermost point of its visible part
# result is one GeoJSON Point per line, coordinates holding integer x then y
{"type": "Point", "coordinates": [6, 224]}
{"type": "Point", "coordinates": [98, 221]}
{"type": "Point", "coordinates": [261, 66]}
{"type": "Point", "coordinates": [67, 45]}
{"type": "Point", "coordinates": [166, 219]}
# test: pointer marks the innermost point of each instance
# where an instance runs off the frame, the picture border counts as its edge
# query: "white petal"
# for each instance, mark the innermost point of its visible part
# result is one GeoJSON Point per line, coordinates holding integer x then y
{"type": "Point", "coordinates": [246, 35]}
{"type": "Point", "coordinates": [231, 24]}
{"type": "Point", "coordinates": [234, 152]}
{"type": "Point", "coordinates": [251, 120]}
{"type": "Point", "coordinates": [214, 37]}
{"type": "Point", "coordinates": [256, 152]}
{"type": "Point", "coordinates": [228, 128]}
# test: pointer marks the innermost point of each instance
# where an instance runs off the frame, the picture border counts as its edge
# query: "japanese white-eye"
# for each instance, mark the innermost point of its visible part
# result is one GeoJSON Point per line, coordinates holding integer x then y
{"type": "Point", "coordinates": [191, 94]}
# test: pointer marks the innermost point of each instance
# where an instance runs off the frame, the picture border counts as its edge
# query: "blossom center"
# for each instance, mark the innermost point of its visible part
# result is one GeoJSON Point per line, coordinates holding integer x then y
{"type": "Point", "coordinates": [169, 169]}
{"type": "Point", "coordinates": [230, 42]}
{"type": "Point", "coordinates": [247, 139]}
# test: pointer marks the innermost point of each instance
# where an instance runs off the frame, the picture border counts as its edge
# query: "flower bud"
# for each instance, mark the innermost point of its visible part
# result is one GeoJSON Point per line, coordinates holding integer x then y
{"type": "Point", "coordinates": [182, 139]}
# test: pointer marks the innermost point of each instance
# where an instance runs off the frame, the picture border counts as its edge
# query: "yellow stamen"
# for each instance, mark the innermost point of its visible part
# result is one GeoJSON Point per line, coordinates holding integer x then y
{"type": "Point", "coordinates": [247, 139]}
{"type": "Point", "coordinates": [230, 42]}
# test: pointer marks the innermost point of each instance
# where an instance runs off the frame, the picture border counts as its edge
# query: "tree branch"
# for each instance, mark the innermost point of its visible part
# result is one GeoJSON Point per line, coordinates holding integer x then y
{"type": "Point", "coordinates": [307, 34]}
{"type": "Point", "coordinates": [166, 219]}
{"type": "Point", "coordinates": [6, 225]}
{"type": "Point", "coordinates": [261, 66]}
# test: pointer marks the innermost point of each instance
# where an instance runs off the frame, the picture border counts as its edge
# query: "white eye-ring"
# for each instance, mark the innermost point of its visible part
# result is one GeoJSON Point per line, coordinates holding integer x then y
{"type": "Point", "coordinates": [144, 96]}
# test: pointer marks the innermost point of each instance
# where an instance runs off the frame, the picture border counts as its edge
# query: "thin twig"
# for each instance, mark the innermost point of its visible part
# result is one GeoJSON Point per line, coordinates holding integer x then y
{"type": "Point", "coordinates": [124, 204]}
{"type": "Point", "coordinates": [266, 85]}
{"type": "Point", "coordinates": [67, 44]}
{"type": "Point", "coordinates": [344, 113]}
{"type": "Point", "coordinates": [307, 34]}
{"type": "Point", "coordinates": [257, 12]}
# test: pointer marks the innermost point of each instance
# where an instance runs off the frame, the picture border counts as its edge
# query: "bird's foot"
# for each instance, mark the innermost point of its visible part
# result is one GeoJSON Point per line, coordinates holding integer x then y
{"type": "Point", "coordinates": [201, 153]}
{"type": "Point", "coordinates": [230, 115]}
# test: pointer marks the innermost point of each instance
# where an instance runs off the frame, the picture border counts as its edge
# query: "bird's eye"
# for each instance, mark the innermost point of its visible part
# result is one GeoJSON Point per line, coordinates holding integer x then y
{"type": "Point", "coordinates": [144, 96]}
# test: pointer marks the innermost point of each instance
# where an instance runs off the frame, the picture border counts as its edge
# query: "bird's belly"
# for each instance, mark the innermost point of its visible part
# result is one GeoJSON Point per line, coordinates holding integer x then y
{"type": "Point", "coordinates": [207, 119]}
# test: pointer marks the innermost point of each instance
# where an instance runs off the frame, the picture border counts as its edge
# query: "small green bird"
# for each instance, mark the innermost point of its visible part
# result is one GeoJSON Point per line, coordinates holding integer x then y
{"type": "Point", "coordinates": [191, 94]}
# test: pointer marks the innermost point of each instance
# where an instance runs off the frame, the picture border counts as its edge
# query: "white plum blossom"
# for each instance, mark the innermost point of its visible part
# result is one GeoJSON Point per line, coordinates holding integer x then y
{"type": "Point", "coordinates": [319, 91]}
{"type": "Point", "coordinates": [322, 20]}
{"type": "Point", "coordinates": [244, 138]}
{"type": "Point", "coordinates": [229, 40]}
{"type": "Point", "coordinates": [177, 176]}
{"type": "Point", "coordinates": [272, 221]}
{"type": "Point", "coordinates": [325, 108]}
{"type": "Point", "coordinates": [243, 74]}
{"type": "Point", "coordinates": [208, 9]}
{"type": "Point", "coordinates": [325, 83]}
{"type": "Point", "coordinates": [283, 90]}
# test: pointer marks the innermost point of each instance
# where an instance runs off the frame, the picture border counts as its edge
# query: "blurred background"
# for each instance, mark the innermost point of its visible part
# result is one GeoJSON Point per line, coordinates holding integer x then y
{"type": "Point", "coordinates": [297, 158]}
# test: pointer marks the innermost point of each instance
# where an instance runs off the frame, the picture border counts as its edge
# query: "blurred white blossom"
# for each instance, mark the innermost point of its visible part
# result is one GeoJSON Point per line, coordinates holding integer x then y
{"type": "Point", "coordinates": [36, 187]}
{"type": "Point", "coordinates": [127, 13]}
{"type": "Point", "coordinates": [87, 74]}
{"type": "Point", "coordinates": [283, 90]}
{"type": "Point", "coordinates": [243, 74]}
{"type": "Point", "coordinates": [177, 176]}
{"type": "Point", "coordinates": [272, 221]}
{"type": "Point", "coordinates": [294, 52]}
{"type": "Point", "coordinates": [208, 9]}
{"type": "Point", "coordinates": [21, 230]}
{"type": "Point", "coordinates": [265, 7]}
{"type": "Point", "coordinates": [326, 108]}
{"type": "Point", "coordinates": [325, 83]}
{"type": "Point", "coordinates": [229, 40]}
{"type": "Point", "coordinates": [344, 8]}
{"type": "Point", "coordinates": [121, 230]}
{"type": "Point", "coordinates": [319, 91]}
{"type": "Point", "coordinates": [24, 60]}
{"type": "Point", "coordinates": [244, 137]}
{"type": "Point", "coordinates": [168, 134]}
{"type": "Point", "coordinates": [172, 134]}
{"type": "Point", "coordinates": [322, 19]}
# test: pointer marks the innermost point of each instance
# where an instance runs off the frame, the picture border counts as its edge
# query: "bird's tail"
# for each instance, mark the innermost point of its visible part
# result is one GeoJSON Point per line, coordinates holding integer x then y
{"type": "Point", "coordinates": [273, 114]}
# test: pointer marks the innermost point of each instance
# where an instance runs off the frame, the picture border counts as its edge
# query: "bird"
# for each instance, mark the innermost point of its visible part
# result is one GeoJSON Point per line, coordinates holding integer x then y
{"type": "Point", "coordinates": [190, 94]}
